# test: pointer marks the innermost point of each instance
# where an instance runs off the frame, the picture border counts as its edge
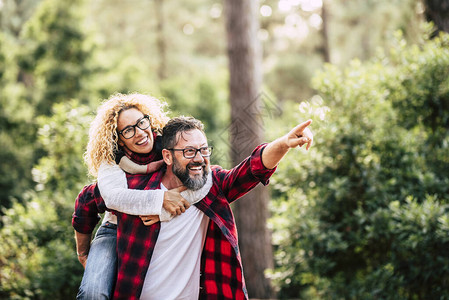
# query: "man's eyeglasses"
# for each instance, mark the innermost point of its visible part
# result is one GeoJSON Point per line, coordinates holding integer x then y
{"type": "Point", "coordinates": [191, 152]}
{"type": "Point", "coordinates": [129, 131]}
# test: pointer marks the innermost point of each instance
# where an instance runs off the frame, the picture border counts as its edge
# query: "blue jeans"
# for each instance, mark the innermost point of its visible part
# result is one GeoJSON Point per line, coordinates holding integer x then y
{"type": "Point", "coordinates": [101, 267]}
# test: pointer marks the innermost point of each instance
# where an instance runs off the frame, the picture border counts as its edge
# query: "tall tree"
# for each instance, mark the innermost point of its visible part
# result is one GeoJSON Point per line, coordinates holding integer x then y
{"type": "Point", "coordinates": [325, 32]}
{"type": "Point", "coordinates": [161, 44]}
{"type": "Point", "coordinates": [246, 132]}
{"type": "Point", "coordinates": [438, 12]}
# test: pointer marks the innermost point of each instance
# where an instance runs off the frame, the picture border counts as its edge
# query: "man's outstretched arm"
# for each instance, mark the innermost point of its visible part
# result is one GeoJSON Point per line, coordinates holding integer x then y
{"type": "Point", "coordinates": [276, 150]}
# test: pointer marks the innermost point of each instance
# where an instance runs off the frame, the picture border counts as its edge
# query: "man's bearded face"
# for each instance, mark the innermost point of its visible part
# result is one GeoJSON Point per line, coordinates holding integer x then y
{"type": "Point", "coordinates": [191, 181]}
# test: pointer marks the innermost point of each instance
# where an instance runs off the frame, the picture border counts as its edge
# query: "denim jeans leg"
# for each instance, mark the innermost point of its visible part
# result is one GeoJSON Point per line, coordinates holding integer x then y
{"type": "Point", "coordinates": [101, 267]}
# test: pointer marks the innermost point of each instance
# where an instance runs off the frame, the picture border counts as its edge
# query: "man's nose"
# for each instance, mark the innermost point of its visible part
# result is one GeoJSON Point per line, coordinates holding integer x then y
{"type": "Point", "coordinates": [198, 157]}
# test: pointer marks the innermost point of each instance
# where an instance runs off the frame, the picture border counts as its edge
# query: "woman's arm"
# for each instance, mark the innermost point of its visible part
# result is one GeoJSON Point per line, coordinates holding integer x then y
{"type": "Point", "coordinates": [114, 190]}
{"type": "Point", "coordinates": [191, 196]}
{"type": "Point", "coordinates": [133, 168]}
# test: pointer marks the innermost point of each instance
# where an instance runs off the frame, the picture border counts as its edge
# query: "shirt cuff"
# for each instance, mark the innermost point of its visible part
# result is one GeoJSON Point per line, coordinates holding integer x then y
{"type": "Point", "coordinates": [165, 216]}
{"type": "Point", "coordinates": [257, 167]}
{"type": "Point", "coordinates": [85, 225]}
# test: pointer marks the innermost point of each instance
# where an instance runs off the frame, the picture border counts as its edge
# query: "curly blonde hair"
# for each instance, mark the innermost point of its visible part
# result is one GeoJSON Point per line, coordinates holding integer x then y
{"type": "Point", "coordinates": [103, 136]}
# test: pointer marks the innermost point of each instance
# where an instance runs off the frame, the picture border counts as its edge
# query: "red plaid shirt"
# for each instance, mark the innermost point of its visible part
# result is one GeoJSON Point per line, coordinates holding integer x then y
{"type": "Point", "coordinates": [221, 267]}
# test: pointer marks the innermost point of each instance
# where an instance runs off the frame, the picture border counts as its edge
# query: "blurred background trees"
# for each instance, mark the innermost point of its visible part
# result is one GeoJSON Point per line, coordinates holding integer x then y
{"type": "Point", "coordinates": [246, 133]}
{"type": "Point", "coordinates": [362, 215]}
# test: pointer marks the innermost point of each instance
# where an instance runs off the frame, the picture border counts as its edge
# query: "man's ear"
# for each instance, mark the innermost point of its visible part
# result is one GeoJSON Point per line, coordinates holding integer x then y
{"type": "Point", "coordinates": [167, 156]}
{"type": "Point", "coordinates": [120, 142]}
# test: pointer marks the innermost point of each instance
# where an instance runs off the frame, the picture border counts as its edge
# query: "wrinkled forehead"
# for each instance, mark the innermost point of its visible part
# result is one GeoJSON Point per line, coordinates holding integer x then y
{"type": "Point", "coordinates": [191, 138]}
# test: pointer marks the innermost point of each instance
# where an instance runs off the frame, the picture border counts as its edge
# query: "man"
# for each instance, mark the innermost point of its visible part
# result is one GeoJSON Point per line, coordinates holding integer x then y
{"type": "Point", "coordinates": [165, 262]}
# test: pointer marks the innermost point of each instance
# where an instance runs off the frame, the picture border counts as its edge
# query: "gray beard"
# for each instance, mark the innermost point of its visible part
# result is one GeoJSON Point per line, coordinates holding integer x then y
{"type": "Point", "coordinates": [195, 183]}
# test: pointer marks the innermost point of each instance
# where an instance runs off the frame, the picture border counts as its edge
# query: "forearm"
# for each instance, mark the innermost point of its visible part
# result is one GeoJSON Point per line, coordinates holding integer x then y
{"type": "Point", "coordinates": [274, 152]}
{"type": "Point", "coordinates": [131, 167]}
{"type": "Point", "coordinates": [82, 243]}
{"type": "Point", "coordinates": [134, 202]}
{"type": "Point", "coordinates": [114, 190]}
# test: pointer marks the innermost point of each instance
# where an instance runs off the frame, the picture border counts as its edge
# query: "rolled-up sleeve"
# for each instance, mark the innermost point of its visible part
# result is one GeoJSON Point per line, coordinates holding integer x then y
{"type": "Point", "coordinates": [257, 168]}
{"type": "Point", "coordinates": [85, 217]}
{"type": "Point", "coordinates": [241, 179]}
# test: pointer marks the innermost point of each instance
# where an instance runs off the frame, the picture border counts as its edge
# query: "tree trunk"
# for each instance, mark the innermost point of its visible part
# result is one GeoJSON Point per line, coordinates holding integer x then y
{"type": "Point", "coordinates": [160, 40]}
{"type": "Point", "coordinates": [325, 32]}
{"type": "Point", "coordinates": [438, 12]}
{"type": "Point", "coordinates": [246, 133]}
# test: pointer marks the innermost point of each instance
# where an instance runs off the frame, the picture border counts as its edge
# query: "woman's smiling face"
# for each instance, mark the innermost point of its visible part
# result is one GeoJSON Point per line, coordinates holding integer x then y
{"type": "Point", "coordinates": [142, 141]}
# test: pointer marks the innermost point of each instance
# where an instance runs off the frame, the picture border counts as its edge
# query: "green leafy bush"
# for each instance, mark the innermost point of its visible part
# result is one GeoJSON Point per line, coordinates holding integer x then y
{"type": "Point", "coordinates": [363, 215]}
{"type": "Point", "coordinates": [36, 242]}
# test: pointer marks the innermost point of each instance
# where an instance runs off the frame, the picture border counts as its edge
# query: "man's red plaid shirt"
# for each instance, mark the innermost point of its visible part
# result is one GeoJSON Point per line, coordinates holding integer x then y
{"type": "Point", "coordinates": [221, 267]}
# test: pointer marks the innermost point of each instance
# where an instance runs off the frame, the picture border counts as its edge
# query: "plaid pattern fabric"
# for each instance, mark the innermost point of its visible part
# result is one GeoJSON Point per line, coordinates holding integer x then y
{"type": "Point", "coordinates": [85, 217]}
{"type": "Point", "coordinates": [135, 245]}
{"type": "Point", "coordinates": [221, 268]}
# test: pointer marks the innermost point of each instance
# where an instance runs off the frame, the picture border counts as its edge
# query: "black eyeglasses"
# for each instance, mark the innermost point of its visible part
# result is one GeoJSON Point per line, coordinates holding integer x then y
{"type": "Point", "coordinates": [129, 131]}
{"type": "Point", "coordinates": [191, 152]}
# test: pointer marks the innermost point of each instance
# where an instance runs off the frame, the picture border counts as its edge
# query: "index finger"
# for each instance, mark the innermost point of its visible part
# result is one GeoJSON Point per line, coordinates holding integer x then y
{"type": "Point", "coordinates": [179, 189]}
{"type": "Point", "coordinates": [301, 127]}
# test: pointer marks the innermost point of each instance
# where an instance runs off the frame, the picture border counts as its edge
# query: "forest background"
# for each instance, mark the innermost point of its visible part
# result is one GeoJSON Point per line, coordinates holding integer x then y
{"type": "Point", "coordinates": [362, 215]}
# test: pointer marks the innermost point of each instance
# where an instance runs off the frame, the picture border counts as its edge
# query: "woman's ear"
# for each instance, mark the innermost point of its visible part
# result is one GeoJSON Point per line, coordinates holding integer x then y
{"type": "Point", "coordinates": [167, 156]}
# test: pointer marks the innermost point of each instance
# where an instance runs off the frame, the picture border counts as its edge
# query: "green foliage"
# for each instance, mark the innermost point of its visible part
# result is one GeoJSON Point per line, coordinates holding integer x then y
{"type": "Point", "coordinates": [17, 127]}
{"type": "Point", "coordinates": [63, 136]}
{"type": "Point", "coordinates": [13, 14]}
{"type": "Point", "coordinates": [423, 91]}
{"type": "Point", "coordinates": [36, 242]}
{"type": "Point", "coordinates": [205, 98]}
{"type": "Point", "coordinates": [37, 253]}
{"type": "Point", "coordinates": [417, 263]}
{"type": "Point", "coordinates": [57, 54]}
{"type": "Point", "coordinates": [48, 62]}
{"type": "Point", "coordinates": [366, 216]}
{"type": "Point", "coordinates": [53, 60]}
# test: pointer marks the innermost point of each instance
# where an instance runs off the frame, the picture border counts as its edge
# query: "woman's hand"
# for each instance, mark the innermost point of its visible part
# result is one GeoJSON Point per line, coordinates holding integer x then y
{"type": "Point", "coordinates": [149, 220]}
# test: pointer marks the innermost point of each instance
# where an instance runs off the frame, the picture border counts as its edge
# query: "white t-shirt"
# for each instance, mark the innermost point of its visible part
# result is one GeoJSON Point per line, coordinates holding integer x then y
{"type": "Point", "coordinates": [174, 271]}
